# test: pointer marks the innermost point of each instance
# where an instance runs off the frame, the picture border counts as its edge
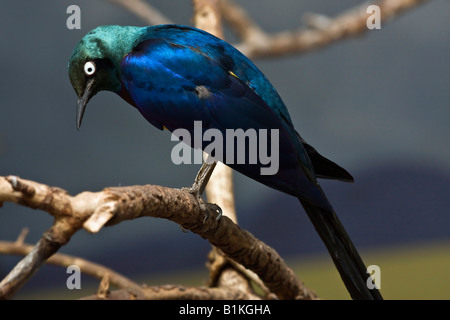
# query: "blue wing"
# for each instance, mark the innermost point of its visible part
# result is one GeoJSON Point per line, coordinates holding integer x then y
{"type": "Point", "coordinates": [179, 75]}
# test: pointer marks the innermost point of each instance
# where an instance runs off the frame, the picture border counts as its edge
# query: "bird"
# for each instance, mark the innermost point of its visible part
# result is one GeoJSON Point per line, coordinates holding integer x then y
{"type": "Point", "coordinates": [176, 75]}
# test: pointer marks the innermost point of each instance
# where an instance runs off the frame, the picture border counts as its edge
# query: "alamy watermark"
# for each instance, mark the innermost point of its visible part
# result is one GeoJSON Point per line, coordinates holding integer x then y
{"type": "Point", "coordinates": [74, 20]}
{"type": "Point", "coordinates": [374, 279]}
{"type": "Point", "coordinates": [235, 146]}
{"type": "Point", "coordinates": [74, 280]}
{"type": "Point", "coordinates": [374, 20]}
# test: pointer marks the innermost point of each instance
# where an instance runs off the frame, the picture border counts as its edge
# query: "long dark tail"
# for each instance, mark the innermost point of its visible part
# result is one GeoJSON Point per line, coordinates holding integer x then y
{"type": "Point", "coordinates": [344, 254]}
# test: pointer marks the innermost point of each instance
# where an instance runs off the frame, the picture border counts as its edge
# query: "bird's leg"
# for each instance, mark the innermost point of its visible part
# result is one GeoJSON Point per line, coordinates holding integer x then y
{"type": "Point", "coordinates": [198, 187]}
{"type": "Point", "coordinates": [202, 178]}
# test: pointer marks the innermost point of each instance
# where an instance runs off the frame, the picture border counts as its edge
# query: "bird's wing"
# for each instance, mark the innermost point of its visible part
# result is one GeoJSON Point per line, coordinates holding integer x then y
{"type": "Point", "coordinates": [168, 77]}
{"type": "Point", "coordinates": [174, 85]}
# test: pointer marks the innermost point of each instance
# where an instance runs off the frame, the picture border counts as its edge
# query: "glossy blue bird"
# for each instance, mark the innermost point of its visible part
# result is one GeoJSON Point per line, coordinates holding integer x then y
{"type": "Point", "coordinates": [177, 75]}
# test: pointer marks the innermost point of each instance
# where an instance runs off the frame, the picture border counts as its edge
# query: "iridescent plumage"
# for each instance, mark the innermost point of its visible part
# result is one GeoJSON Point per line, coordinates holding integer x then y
{"type": "Point", "coordinates": [176, 75]}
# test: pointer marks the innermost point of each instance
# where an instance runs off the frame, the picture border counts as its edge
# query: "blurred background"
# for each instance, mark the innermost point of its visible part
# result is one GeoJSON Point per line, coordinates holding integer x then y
{"type": "Point", "coordinates": [378, 105]}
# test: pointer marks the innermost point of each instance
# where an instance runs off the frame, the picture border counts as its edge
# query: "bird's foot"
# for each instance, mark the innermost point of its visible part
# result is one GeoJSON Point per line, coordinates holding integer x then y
{"type": "Point", "coordinates": [207, 208]}
{"type": "Point", "coordinates": [212, 208]}
{"type": "Point", "coordinates": [197, 189]}
{"type": "Point", "coordinates": [202, 178]}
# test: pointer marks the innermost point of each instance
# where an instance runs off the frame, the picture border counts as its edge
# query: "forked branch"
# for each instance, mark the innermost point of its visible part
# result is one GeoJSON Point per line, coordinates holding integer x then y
{"type": "Point", "coordinates": [93, 210]}
{"type": "Point", "coordinates": [320, 31]}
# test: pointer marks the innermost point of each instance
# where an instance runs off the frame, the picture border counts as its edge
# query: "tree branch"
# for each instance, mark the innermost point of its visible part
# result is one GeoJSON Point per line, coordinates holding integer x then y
{"type": "Point", "coordinates": [27, 267]}
{"type": "Point", "coordinates": [207, 17]}
{"type": "Point", "coordinates": [232, 286]}
{"type": "Point", "coordinates": [176, 292]}
{"type": "Point", "coordinates": [324, 31]}
{"type": "Point", "coordinates": [93, 210]}
{"type": "Point", "coordinates": [92, 269]}
{"type": "Point", "coordinates": [144, 11]}
{"type": "Point", "coordinates": [321, 31]}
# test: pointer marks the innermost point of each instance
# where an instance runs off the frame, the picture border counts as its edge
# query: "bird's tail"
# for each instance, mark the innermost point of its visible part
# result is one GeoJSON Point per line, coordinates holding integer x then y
{"type": "Point", "coordinates": [344, 254]}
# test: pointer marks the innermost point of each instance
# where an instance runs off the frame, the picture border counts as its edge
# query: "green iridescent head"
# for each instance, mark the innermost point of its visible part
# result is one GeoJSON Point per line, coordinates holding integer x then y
{"type": "Point", "coordinates": [95, 62]}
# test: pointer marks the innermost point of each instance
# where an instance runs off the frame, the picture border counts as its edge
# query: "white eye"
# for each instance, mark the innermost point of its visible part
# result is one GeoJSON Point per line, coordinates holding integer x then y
{"type": "Point", "coordinates": [89, 68]}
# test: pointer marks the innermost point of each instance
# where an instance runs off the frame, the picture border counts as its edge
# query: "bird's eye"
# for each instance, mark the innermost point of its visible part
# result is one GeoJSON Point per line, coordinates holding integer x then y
{"type": "Point", "coordinates": [89, 68]}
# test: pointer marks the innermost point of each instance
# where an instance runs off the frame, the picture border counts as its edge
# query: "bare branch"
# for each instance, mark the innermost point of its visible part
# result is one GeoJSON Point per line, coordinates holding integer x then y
{"type": "Point", "coordinates": [103, 287]}
{"type": "Point", "coordinates": [220, 187]}
{"type": "Point", "coordinates": [27, 267]}
{"type": "Point", "coordinates": [220, 190]}
{"type": "Point", "coordinates": [176, 292]}
{"type": "Point", "coordinates": [63, 260]}
{"type": "Point", "coordinates": [125, 203]}
{"type": "Point", "coordinates": [324, 32]}
{"type": "Point", "coordinates": [207, 17]}
{"type": "Point", "coordinates": [230, 286]}
{"type": "Point", "coordinates": [144, 11]}
{"type": "Point", "coordinates": [93, 210]}
{"type": "Point", "coordinates": [21, 238]}
{"type": "Point", "coordinates": [241, 23]}
{"type": "Point", "coordinates": [321, 31]}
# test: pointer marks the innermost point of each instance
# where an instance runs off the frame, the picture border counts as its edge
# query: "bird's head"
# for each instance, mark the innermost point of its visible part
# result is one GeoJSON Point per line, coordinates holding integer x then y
{"type": "Point", "coordinates": [95, 62]}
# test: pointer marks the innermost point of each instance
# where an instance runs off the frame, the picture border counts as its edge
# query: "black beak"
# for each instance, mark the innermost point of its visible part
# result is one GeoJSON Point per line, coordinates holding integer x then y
{"type": "Point", "coordinates": [82, 102]}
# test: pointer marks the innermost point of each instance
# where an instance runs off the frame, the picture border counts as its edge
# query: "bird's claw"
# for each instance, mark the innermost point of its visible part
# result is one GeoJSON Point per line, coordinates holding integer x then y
{"type": "Point", "coordinates": [184, 229]}
{"type": "Point", "coordinates": [214, 208]}
{"type": "Point", "coordinates": [205, 207]}
{"type": "Point", "coordinates": [197, 189]}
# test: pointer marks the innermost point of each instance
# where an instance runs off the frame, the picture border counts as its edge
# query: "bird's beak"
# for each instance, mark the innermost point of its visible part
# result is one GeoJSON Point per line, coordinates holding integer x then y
{"type": "Point", "coordinates": [82, 102]}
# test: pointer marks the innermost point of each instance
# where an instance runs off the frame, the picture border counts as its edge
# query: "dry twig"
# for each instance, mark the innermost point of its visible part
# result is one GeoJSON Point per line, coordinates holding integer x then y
{"type": "Point", "coordinates": [176, 292]}
{"type": "Point", "coordinates": [258, 44]}
{"type": "Point", "coordinates": [93, 210]}
{"type": "Point", "coordinates": [144, 11]}
{"type": "Point", "coordinates": [63, 260]}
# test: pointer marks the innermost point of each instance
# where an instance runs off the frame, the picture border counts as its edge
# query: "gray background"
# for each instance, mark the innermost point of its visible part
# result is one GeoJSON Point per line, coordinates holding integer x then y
{"type": "Point", "coordinates": [378, 105]}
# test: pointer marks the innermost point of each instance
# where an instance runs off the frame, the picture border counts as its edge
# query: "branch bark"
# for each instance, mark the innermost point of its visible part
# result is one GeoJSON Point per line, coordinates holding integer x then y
{"type": "Point", "coordinates": [93, 210]}
{"type": "Point", "coordinates": [92, 269]}
{"type": "Point", "coordinates": [219, 189]}
{"type": "Point", "coordinates": [322, 32]}
{"type": "Point", "coordinates": [144, 11]}
{"type": "Point", "coordinates": [207, 17]}
{"type": "Point", "coordinates": [175, 292]}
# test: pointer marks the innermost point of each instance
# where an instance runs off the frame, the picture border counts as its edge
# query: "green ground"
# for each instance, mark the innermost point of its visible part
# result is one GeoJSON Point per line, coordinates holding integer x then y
{"type": "Point", "coordinates": [408, 272]}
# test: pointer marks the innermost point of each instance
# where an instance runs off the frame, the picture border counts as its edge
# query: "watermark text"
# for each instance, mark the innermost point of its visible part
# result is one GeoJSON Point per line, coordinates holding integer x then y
{"type": "Point", "coordinates": [235, 146]}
